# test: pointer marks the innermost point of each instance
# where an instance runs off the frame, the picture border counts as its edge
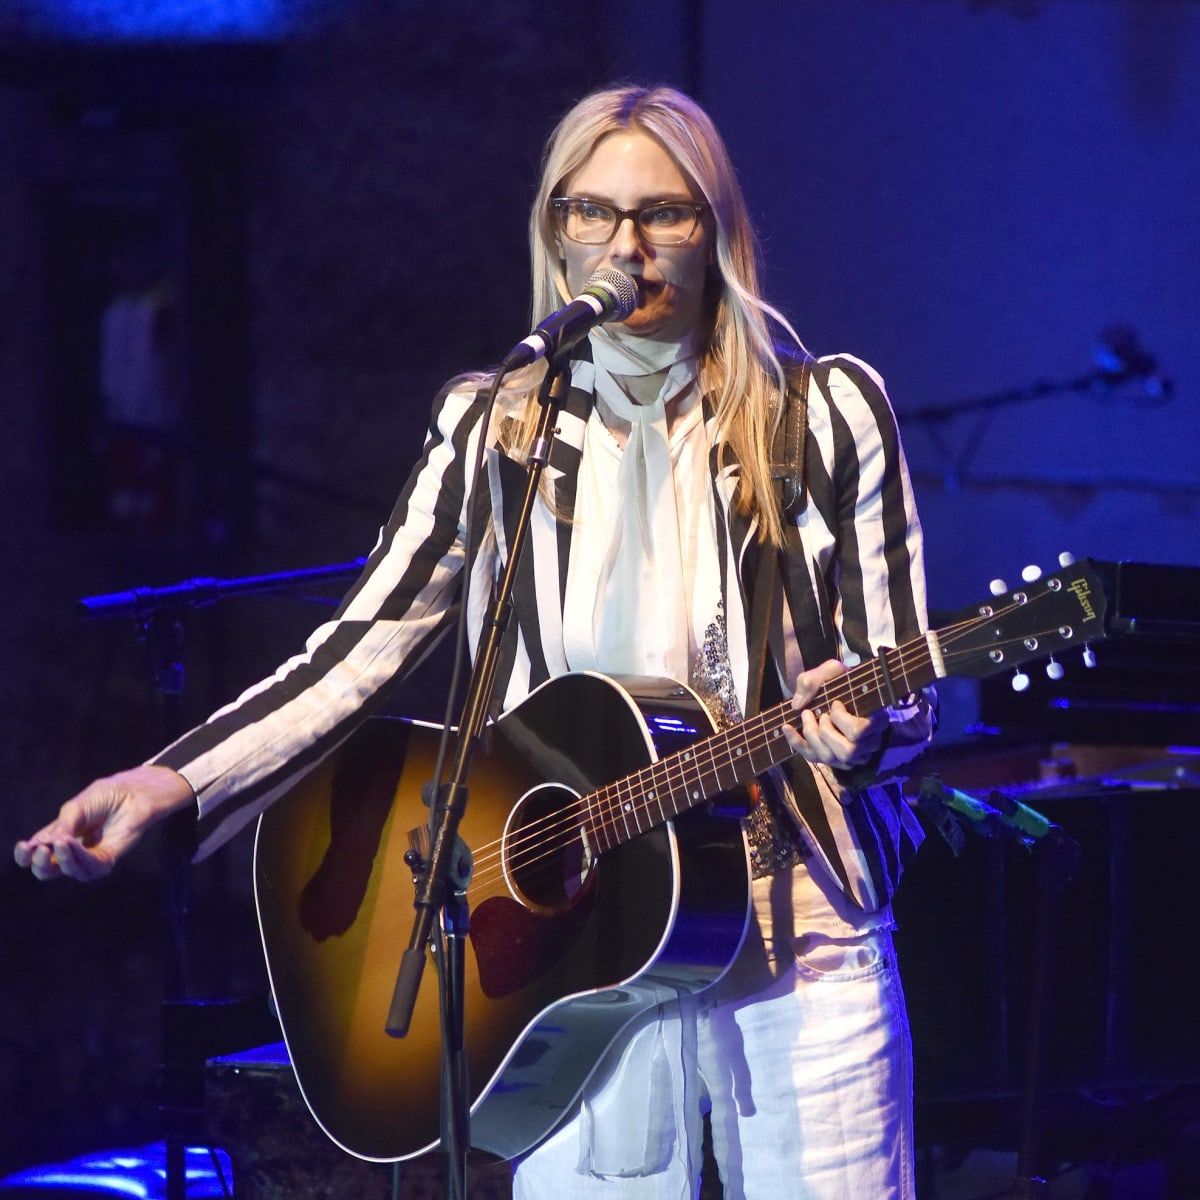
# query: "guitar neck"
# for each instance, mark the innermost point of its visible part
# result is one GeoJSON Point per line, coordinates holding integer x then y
{"type": "Point", "coordinates": [622, 810]}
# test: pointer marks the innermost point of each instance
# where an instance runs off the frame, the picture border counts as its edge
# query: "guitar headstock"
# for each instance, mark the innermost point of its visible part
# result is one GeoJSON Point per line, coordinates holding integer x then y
{"type": "Point", "coordinates": [1045, 616]}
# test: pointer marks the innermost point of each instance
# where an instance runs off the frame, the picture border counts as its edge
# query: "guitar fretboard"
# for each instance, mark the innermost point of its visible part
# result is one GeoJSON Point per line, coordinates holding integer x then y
{"type": "Point", "coordinates": [622, 810]}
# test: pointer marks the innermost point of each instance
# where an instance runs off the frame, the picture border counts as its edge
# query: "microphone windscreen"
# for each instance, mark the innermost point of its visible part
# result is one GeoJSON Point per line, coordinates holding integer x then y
{"type": "Point", "coordinates": [615, 290]}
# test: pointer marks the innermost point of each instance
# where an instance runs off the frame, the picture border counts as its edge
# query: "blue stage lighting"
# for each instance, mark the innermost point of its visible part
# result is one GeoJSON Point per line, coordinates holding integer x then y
{"type": "Point", "coordinates": [168, 20]}
{"type": "Point", "coordinates": [140, 1173]}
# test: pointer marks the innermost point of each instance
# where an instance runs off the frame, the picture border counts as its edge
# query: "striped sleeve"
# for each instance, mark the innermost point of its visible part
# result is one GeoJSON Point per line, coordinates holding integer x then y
{"type": "Point", "coordinates": [249, 753]}
{"type": "Point", "coordinates": [877, 573]}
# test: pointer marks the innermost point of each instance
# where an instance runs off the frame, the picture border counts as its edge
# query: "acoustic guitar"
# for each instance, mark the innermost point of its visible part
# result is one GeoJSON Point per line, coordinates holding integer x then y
{"type": "Point", "coordinates": [602, 881]}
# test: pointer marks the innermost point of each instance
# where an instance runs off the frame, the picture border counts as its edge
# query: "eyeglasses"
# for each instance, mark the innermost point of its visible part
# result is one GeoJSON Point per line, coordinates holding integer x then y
{"type": "Point", "coordinates": [664, 223]}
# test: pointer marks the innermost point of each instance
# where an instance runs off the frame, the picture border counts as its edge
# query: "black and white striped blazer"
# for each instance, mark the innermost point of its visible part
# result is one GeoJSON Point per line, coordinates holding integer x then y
{"type": "Point", "coordinates": [852, 579]}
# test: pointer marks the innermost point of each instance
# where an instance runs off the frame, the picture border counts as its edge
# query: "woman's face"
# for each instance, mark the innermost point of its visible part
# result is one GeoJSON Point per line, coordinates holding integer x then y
{"type": "Point", "coordinates": [630, 169]}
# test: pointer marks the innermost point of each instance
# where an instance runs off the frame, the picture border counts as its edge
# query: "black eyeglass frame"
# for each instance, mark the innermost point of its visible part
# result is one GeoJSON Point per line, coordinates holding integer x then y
{"type": "Point", "coordinates": [558, 205]}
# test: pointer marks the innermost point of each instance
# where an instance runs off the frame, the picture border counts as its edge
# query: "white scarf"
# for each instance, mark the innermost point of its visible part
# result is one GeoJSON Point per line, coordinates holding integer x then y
{"type": "Point", "coordinates": [619, 353]}
{"type": "Point", "coordinates": [627, 601]}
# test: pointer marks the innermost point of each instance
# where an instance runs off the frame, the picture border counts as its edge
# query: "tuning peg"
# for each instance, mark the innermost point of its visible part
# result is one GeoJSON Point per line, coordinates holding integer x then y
{"type": "Point", "coordinates": [1054, 670]}
{"type": "Point", "coordinates": [1066, 559]}
{"type": "Point", "coordinates": [1020, 681]}
{"type": "Point", "coordinates": [997, 587]}
{"type": "Point", "coordinates": [1089, 657]}
{"type": "Point", "coordinates": [1031, 573]}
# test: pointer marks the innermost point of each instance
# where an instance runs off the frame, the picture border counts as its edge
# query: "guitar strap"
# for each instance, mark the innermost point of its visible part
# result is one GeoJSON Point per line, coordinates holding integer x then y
{"type": "Point", "coordinates": [787, 473]}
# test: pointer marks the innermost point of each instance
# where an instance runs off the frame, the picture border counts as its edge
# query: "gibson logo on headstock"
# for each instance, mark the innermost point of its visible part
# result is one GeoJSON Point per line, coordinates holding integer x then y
{"type": "Point", "coordinates": [1081, 589]}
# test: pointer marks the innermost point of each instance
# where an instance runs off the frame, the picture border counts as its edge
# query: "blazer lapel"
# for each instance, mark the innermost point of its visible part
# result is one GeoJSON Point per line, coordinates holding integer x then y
{"type": "Point", "coordinates": [540, 588]}
{"type": "Point", "coordinates": [735, 545]}
{"type": "Point", "coordinates": [734, 526]}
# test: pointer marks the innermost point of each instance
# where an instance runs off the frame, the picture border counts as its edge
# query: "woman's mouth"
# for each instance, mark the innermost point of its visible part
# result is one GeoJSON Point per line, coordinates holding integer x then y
{"type": "Point", "coordinates": [647, 291]}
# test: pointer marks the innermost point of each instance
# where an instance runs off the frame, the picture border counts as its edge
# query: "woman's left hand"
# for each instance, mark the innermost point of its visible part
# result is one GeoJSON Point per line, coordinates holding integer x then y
{"type": "Point", "coordinates": [837, 738]}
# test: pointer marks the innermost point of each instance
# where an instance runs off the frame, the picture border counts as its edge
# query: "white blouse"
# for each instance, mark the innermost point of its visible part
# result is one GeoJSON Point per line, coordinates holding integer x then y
{"type": "Point", "coordinates": [643, 582]}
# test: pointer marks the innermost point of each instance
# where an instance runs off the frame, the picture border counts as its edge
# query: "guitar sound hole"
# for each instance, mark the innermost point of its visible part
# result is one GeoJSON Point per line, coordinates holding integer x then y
{"type": "Point", "coordinates": [546, 858]}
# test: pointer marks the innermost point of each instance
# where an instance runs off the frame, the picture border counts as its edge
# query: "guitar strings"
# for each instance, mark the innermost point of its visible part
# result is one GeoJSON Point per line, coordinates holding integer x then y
{"type": "Point", "coordinates": [611, 805]}
{"type": "Point", "coordinates": [616, 812]}
{"type": "Point", "coordinates": [688, 763]}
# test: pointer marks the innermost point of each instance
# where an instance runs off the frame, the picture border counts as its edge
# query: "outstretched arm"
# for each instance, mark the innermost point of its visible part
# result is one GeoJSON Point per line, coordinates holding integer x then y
{"type": "Point", "coordinates": [255, 748]}
{"type": "Point", "coordinates": [96, 828]}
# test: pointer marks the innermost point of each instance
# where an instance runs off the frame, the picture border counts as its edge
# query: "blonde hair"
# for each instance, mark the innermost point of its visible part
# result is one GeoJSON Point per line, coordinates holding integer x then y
{"type": "Point", "coordinates": [739, 365]}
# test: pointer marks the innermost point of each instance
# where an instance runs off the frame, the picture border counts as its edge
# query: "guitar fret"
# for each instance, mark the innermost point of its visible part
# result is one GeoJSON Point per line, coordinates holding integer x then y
{"type": "Point", "coordinates": [631, 810]}
{"type": "Point", "coordinates": [726, 762]}
{"type": "Point", "coordinates": [616, 814]}
{"type": "Point", "coordinates": [876, 695]}
{"type": "Point", "coordinates": [761, 757]}
{"type": "Point", "coordinates": [727, 781]}
{"type": "Point", "coordinates": [590, 822]}
{"type": "Point", "coordinates": [637, 810]}
{"type": "Point", "coordinates": [683, 782]}
{"type": "Point", "coordinates": [867, 690]}
{"type": "Point", "coordinates": [677, 786]}
{"type": "Point", "coordinates": [604, 830]}
{"type": "Point", "coordinates": [920, 661]}
{"type": "Point", "coordinates": [624, 804]}
{"type": "Point", "coordinates": [694, 790]}
{"type": "Point", "coordinates": [778, 748]}
{"type": "Point", "coordinates": [853, 693]}
{"type": "Point", "coordinates": [655, 795]}
{"type": "Point", "coordinates": [659, 792]}
{"type": "Point", "coordinates": [741, 756]}
{"type": "Point", "coordinates": [671, 786]}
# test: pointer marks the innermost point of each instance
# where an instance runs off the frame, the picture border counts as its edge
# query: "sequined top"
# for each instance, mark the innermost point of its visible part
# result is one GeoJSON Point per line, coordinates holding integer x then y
{"type": "Point", "coordinates": [774, 840]}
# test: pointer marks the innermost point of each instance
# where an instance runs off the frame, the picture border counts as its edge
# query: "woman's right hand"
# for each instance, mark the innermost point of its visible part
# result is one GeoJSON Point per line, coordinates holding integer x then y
{"type": "Point", "coordinates": [96, 828]}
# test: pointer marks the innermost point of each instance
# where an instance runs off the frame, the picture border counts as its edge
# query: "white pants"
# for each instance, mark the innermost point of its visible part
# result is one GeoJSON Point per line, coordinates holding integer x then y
{"type": "Point", "coordinates": [803, 1056]}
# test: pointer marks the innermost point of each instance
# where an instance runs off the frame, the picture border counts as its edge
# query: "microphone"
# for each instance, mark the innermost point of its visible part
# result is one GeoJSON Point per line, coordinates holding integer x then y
{"type": "Point", "coordinates": [608, 295]}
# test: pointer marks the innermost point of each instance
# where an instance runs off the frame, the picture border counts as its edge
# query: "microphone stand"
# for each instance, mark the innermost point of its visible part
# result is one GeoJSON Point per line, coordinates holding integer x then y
{"type": "Point", "coordinates": [146, 603]}
{"type": "Point", "coordinates": [441, 878]}
{"type": "Point", "coordinates": [1122, 361]}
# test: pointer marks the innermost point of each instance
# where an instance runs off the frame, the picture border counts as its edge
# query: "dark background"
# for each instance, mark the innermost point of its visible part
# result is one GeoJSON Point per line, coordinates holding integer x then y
{"type": "Point", "coordinates": [322, 205]}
